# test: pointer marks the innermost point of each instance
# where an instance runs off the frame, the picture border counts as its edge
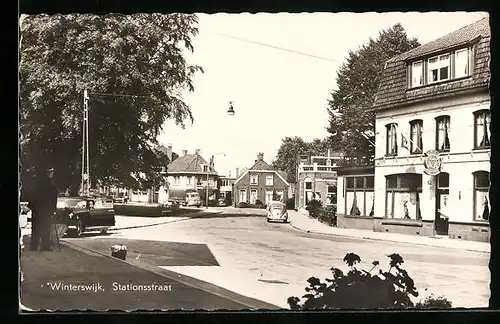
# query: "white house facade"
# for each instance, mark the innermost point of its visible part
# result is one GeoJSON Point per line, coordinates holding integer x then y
{"type": "Point", "coordinates": [432, 155]}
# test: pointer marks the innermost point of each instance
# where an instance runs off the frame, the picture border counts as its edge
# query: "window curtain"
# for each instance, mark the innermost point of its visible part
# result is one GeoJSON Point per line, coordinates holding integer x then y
{"type": "Point", "coordinates": [482, 205]}
{"type": "Point", "coordinates": [483, 129]}
{"type": "Point", "coordinates": [444, 139]}
{"type": "Point", "coordinates": [354, 206]}
{"type": "Point", "coordinates": [370, 201]}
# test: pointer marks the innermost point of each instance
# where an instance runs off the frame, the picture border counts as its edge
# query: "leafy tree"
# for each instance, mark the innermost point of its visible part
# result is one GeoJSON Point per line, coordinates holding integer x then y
{"type": "Point", "coordinates": [134, 69]}
{"type": "Point", "coordinates": [351, 127]}
{"type": "Point", "coordinates": [286, 158]}
{"type": "Point", "coordinates": [291, 147]}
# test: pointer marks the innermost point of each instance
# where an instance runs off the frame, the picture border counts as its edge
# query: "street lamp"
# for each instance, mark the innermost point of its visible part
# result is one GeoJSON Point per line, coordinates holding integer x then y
{"type": "Point", "coordinates": [208, 173]}
{"type": "Point", "coordinates": [85, 186]}
{"type": "Point", "coordinates": [230, 111]}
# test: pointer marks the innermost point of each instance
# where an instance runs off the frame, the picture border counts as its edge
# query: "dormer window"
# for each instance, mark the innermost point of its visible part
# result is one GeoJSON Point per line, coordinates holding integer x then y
{"type": "Point", "coordinates": [447, 66]}
{"type": "Point", "coordinates": [439, 68]}
{"type": "Point", "coordinates": [417, 73]}
{"type": "Point", "coordinates": [462, 63]}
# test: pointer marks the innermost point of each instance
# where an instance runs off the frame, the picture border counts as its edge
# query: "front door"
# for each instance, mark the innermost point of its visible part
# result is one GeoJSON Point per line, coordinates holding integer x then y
{"type": "Point", "coordinates": [442, 204]}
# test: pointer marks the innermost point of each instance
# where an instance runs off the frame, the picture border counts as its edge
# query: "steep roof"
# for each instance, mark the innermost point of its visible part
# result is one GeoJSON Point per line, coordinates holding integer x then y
{"type": "Point", "coordinates": [189, 163]}
{"type": "Point", "coordinates": [261, 165]}
{"type": "Point", "coordinates": [393, 85]}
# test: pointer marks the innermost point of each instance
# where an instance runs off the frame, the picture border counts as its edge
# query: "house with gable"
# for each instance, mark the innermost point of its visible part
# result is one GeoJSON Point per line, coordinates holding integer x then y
{"type": "Point", "coordinates": [260, 182]}
{"type": "Point", "coordinates": [432, 148]}
{"type": "Point", "coordinates": [189, 172]}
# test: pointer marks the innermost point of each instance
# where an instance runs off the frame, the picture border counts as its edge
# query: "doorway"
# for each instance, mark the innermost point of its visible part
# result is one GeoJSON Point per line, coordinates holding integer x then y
{"type": "Point", "coordinates": [442, 215]}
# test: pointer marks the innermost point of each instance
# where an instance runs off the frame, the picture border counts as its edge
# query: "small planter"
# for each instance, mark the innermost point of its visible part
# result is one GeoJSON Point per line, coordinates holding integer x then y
{"type": "Point", "coordinates": [119, 251]}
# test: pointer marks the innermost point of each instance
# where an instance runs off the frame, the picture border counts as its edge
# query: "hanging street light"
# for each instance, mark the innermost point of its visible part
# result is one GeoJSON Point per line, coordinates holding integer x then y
{"type": "Point", "coordinates": [230, 112]}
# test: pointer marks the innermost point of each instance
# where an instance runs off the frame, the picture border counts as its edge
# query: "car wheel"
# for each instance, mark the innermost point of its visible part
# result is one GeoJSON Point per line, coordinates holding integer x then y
{"type": "Point", "coordinates": [80, 227]}
{"type": "Point", "coordinates": [104, 231]}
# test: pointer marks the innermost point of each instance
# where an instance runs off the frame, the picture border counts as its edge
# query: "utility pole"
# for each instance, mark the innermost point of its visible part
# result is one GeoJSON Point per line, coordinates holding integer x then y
{"type": "Point", "coordinates": [208, 172]}
{"type": "Point", "coordinates": [85, 146]}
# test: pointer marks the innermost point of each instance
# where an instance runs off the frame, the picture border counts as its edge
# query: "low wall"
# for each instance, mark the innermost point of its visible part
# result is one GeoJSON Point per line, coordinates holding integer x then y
{"type": "Point", "coordinates": [140, 210]}
{"type": "Point", "coordinates": [358, 222]}
{"type": "Point", "coordinates": [469, 232]}
{"type": "Point", "coordinates": [403, 227]}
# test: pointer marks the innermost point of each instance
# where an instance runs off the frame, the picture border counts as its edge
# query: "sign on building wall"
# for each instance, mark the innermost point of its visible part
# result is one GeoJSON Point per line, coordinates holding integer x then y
{"type": "Point", "coordinates": [432, 163]}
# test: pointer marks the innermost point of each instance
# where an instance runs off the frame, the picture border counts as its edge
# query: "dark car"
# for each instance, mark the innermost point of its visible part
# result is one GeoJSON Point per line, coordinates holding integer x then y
{"type": "Point", "coordinates": [85, 214]}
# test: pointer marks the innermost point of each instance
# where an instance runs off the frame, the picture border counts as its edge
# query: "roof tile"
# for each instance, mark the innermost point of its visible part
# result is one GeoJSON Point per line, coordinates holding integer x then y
{"type": "Point", "coordinates": [393, 85]}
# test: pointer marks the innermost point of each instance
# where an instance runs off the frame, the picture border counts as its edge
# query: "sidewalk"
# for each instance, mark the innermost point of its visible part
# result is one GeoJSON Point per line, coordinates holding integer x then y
{"type": "Point", "coordinates": [301, 221]}
{"type": "Point", "coordinates": [78, 279]}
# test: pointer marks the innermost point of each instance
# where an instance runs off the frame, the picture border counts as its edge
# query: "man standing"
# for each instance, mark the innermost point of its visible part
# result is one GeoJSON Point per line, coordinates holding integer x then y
{"type": "Point", "coordinates": [43, 206]}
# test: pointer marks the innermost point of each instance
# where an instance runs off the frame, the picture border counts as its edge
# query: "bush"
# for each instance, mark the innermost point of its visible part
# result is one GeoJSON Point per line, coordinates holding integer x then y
{"type": "Point", "coordinates": [290, 203]}
{"type": "Point", "coordinates": [432, 302]}
{"type": "Point", "coordinates": [258, 202]}
{"type": "Point", "coordinates": [228, 201]}
{"type": "Point", "coordinates": [360, 289]}
{"type": "Point", "coordinates": [314, 207]}
{"type": "Point", "coordinates": [328, 215]}
{"type": "Point", "coordinates": [248, 205]}
{"type": "Point", "coordinates": [243, 205]}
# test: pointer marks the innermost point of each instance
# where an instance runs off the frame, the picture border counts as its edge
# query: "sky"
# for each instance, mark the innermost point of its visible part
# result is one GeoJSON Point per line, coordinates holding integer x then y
{"type": "Point", "coordinates": [277, 93]}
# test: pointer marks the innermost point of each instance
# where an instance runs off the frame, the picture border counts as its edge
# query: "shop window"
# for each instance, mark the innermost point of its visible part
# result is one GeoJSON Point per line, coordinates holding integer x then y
{"type": "Point", "coordinates": [481, 196]}
{"type": "Point", "coordinates": [403, 196]}
{"type": "Point", "coordinates": [359, 196]}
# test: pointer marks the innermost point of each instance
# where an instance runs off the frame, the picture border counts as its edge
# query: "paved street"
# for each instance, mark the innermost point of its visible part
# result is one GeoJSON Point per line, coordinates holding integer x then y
{"type": "Point", "coordinates": [271, 262]}
{"type": "Point", "coordinates": [73, 279]}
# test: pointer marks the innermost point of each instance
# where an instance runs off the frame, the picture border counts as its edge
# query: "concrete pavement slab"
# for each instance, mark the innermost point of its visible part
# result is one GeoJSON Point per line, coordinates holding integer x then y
{"type": "Point", "coordinates": [78, 279]}
{"type": "Point", "coordinates": [301, 221]}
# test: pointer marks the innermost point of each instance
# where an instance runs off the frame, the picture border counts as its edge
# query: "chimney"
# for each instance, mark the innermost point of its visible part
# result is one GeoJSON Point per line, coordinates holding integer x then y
{"type": "Point", "coordinates": [169, 152]}
{"type": "Point", "coordinates": [229, 174]}
{"type": "Point", "coordinates": [260, 156]}
{"type": "Point", "coordinates": [237, 172]}
{"type": "Point", "coordinates": [184, 152]}
{"type": "Point", "coordinates": [197, 151]}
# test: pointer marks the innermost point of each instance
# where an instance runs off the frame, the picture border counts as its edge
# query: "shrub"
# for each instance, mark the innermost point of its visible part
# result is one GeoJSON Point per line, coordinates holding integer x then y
{"type": "Point", "coordinates": [258, 203]}
{"type": "Point", "coordinates": [432, 302]}
{"type": "Point", "coordinates": [228, 201]}
{"type": "Point", "coordinates": [328, 215]}
{"type": "Point", "coordinates": [243, 205]}
{"type": "Point", "coordinates": [360, 289]}
{"type": "Point", "coordinates": [314, 207]}
{"type": "Point", "coordinates": [290, 203]}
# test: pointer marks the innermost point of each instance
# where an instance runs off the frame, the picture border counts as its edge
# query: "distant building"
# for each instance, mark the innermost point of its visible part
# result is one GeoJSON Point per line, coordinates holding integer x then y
{"type": "Point", "coordinates": [189, 172]}
{"type": "Point", "coordinates": [226, 187]}
{"type": "Point", "coordinates": [317, 179]}
{"type": "Point", "coordinates": [432, 156]}
{"type": "Point", "coordinates": [260, 182]}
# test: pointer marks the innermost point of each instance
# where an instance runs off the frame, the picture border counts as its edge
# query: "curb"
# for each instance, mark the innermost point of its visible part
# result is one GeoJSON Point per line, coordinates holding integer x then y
{"type": "Point", "coordinates": [249, 302]}
{"type": "Point", "coordinates": [183, 218]}
{"type": "Point", "coordinates": [384, 240]}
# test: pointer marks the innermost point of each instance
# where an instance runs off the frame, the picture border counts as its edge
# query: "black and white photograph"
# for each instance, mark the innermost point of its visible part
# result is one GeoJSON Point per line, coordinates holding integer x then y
{"type": "Point", "coordinates": [267, 161]}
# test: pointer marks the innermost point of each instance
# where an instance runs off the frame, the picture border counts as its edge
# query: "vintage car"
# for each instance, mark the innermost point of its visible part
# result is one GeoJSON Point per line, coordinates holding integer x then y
{"type": "Point", "coordinates": [276, 211]}
{"type": "Point", "coordinates": [85, 214]}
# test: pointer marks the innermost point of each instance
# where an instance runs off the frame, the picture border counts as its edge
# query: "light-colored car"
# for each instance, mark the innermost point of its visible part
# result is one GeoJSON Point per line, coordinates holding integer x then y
{"type": "Point", "coordinates": [276, 212]}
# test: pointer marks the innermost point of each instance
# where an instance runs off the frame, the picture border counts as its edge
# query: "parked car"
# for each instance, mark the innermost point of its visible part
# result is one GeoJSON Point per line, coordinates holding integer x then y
{"type": "Point", "coordinates": [85, 214]}
{"type": "Point", "coordinates": [222, 202]}
{"type": "Point", "coordinates": [120, 200]}
{"type": "Point", "coordinates": [276, 211]}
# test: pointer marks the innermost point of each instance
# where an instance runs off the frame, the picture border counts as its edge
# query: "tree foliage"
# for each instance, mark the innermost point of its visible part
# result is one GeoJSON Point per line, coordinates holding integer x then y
{"type": "Point", "coordinates": [291, 147]}
{"type": "Point", "coordinates": [134, 69]}
{"type": "Point", "coordinates": [357, 81]}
